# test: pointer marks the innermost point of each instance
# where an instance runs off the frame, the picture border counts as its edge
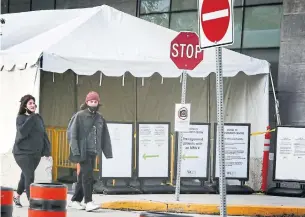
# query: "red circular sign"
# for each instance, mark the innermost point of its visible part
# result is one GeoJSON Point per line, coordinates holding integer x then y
{"type": "Point", "coordinates": [215, 19]}
{"type": "Point", "coordinates": [185, 50]}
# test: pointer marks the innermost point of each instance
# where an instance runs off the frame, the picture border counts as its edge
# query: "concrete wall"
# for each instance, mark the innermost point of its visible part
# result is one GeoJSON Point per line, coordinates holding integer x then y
{"type": "Point", "coordinates": [291, 74]}
{"type": "Point", "coordinates": [291, 78]}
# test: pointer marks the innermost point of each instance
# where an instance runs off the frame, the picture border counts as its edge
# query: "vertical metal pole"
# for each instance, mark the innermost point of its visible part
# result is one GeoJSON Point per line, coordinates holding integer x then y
{"type": "Point", "coordinates": [220, 133]}
{"type": "Point", "coordinates": [183, 93]}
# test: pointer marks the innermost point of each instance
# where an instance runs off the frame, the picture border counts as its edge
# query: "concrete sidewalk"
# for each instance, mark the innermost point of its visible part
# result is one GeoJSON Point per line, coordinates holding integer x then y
{"type": "Point", "coordinates": [238, 205]}
{"type": "Point", "coordinates": [100, 199]}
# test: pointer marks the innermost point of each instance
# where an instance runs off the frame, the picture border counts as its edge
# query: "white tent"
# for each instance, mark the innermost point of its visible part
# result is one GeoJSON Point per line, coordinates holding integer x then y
{"type": "Point", "coordinates": [109, 41]}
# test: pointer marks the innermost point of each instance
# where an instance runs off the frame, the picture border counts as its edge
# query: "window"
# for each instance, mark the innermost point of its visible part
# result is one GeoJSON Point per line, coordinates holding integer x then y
{"type": "Point", "coordinates": [238, 3]}
{"type": "Point", "coordinates": [184, 21]}
{"type": "Point", "coordinates": [261, 2]}
{"type": "Point", "coordinates": [160, 19]}
{"type": "Point", "coordinates": [180, 5]}
{"type": "Point", "coordinates": [16, 6]}
{"type": "Point", "coordinates": [42, 5]}
{"type": "Point", "coordinates": [262, 26]}
{"type": "Point", "coordinates": [4, 6]}
{"type": "Point", "coordinates": [238, 17]}
{"type": "Point", "coordinates": [151, 6]}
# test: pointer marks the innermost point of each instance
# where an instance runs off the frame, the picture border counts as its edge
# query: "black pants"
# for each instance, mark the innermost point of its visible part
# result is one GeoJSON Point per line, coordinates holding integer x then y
{"type": "Point", "coordinates": [84, 186]}
{"type": "Point", "coordinates": [28, 165]}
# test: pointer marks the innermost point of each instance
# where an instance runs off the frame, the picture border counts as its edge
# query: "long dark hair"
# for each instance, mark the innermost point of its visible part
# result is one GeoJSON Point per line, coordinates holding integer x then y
{"type": "Point", "coordinates": [23, 101]}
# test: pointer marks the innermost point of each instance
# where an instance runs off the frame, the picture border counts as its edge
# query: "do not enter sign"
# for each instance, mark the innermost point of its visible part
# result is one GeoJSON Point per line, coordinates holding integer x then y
{"type": "Point", "coordinates": [215, 23]}
{"type": "Point", "coordinates": [185, 50]}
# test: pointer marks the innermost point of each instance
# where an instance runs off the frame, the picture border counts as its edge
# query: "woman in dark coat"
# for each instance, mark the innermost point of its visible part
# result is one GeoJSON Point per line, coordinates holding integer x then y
{"type": "Point", "coordinates": [31, 144]}
{"type": "Point", "coordinates": [88, 137]}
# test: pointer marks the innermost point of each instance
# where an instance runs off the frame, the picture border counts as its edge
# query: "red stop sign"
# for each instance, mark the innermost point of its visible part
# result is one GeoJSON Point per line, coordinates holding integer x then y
{"type": "Point", "coordinates": [215, 19]}
{"type": "Point", "coordinates": [185, 50]}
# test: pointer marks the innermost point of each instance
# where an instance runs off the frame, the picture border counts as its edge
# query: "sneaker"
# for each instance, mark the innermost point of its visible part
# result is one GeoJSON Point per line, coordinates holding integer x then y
{"type": "Point", "coordinates": [77, 205]}
{"type": "Point", "coordinates": [17, 202]}
{"type": "Point", "coordinates": [91, 207]}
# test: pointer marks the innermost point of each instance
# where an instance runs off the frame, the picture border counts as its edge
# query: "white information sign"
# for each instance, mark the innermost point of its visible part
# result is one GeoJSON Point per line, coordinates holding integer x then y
{"type": "Point", "coordinates": [236, 139]}
{"type": "Point", "coordinates": [290, 154]}
{"type": "Point", "coordinates": [120, 166]}
{"type": "Point", "coordinates": [153, 150]}
{"type": "Point", "coordinates": [195, 148]}
{"type": "Point", "coordinates": [182, 117]}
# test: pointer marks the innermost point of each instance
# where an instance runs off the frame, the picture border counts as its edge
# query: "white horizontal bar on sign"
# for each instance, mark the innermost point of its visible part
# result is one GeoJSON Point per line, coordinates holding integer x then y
{"type": "Point", "coordinates": [215, 15]}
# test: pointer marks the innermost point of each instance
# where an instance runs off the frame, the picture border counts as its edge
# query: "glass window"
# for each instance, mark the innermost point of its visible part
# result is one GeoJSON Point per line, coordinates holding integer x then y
{"type": "Point", "coordinates": [238, 17]}
{"type": "Point", "coordinates": [238, 2]}
{"type": "Point", "coordinates": [4, 6]}
{"type": "Point", "coordinates": [16, 6]}
{"type": "Point", "coordinates": [262, 26]}
{"type": "Point", "coordinates": [179, 5]}
{"type": "Point", "coordinates": [42, 5]}
{"type": "Point", "coordinates": [184, 21]}
{"type": "Point", "coordinates": [160, 19]}
{"type": "Point", "coordinates": [261, 2]}
{"type": "Point", "coordinates": [150, 6]}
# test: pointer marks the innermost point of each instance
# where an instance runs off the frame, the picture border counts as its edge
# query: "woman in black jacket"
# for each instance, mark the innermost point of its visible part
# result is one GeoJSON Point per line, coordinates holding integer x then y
{"type": "Point", "coordinates": [31, 144]}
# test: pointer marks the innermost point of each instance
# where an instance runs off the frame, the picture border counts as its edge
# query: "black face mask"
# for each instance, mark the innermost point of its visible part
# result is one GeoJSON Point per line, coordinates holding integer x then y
{"type": "Point", "coordinates": [93, 109]}
{"type": "Point", "coordinates": [28, 111]}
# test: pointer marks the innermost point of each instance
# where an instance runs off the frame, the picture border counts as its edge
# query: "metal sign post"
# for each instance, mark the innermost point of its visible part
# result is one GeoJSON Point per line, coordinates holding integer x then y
{"type": "Point", "coordinates": [183, 93]}
{"type": "Point", "coordinates": [220, 133]}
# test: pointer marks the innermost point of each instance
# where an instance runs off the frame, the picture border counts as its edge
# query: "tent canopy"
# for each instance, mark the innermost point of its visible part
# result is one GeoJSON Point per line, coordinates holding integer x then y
{"type": "Point", "coordinates": [107, 40]}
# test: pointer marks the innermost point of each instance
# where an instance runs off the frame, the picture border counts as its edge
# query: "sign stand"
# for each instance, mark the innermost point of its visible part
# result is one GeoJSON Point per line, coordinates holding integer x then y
{"type": "Point", "coordinates": [178, 179]}
{"type": "Point", "coordinates": [220, 134]}
{"type": "Point", "coordinates": [288, 154]}
{"type": "Point", "coordinates": [195, 156]}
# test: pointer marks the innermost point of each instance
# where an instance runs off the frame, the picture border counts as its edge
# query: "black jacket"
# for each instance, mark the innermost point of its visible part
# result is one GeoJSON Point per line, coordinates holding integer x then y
{"type": "Point", "coordinates": [80, 124]}
{"type": "Point", "coordinates": [31, 136]}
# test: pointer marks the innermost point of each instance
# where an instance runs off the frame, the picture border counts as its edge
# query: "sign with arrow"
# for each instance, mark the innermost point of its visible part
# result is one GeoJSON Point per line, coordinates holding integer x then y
{"type": "Point", "coordinates": [145, 156]}
{"type": "Point", "coordinates": [153, 143]}
{"type": "Point", "coordinates": [184, 157]}
{"type": "Point", "coordinates": [195, 151]}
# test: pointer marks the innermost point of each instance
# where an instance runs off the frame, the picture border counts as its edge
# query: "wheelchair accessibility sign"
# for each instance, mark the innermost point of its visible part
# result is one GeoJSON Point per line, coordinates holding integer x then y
{"type": "Point", "coordinates": [182, 117]}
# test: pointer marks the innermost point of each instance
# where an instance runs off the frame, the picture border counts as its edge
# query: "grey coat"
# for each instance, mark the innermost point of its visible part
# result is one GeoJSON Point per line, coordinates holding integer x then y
{"type": "Point", "coordinates": [79, 132]}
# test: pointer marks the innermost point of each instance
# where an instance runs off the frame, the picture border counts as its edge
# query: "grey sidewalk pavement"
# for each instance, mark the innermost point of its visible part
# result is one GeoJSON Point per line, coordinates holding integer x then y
{"type": "Point", "coordinates": [23, 212]}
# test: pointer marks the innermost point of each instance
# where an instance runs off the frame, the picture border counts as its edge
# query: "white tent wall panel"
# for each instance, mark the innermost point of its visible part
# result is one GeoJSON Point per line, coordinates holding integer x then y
{"type": "Point", "coordinates": [156, 101]}
{"type": "Point", "coordinates": [246, 100]}
{"type": "Point", "coordinates": [57, 98]}
{"type": "Point", "coordinates": [14, 85]}
{"type": "Point", "coordinates": [118, 100]}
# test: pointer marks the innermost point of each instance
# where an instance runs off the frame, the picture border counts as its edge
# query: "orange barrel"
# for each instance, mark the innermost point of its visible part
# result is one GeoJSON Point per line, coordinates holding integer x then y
{"type": "Point", "coordinates": [48, 200]}
{"type": "Point", "coordinates": [6, 202]}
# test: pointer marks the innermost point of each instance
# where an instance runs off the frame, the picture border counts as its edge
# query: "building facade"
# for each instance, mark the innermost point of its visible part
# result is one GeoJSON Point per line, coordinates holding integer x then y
{"type": "Point", "coordinates": [273, 30]}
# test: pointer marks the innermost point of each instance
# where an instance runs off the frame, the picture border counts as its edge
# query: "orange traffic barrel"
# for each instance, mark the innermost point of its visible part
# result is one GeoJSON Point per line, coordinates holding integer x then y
{"type": "Point", "coordinates": [48, 200]}
{"type": "Point", "coordinates": [6, 202]}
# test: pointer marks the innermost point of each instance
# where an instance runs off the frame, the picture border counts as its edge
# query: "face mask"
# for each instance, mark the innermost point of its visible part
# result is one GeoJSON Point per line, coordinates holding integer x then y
{"type": "Point", "coordinates": [93, 109]}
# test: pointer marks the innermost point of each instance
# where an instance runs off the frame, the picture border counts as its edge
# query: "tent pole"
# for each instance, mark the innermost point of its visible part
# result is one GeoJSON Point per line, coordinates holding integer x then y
{"type": "Point", "coordinates": [276, 102]}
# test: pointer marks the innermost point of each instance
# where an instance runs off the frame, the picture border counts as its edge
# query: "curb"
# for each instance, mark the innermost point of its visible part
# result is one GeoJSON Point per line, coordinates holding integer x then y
{"type": "Point", "coordinates": [209, 209]}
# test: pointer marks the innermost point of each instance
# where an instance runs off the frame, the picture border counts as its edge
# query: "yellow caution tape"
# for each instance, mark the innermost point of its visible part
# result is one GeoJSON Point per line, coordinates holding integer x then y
{"type": "Point", "coordinates": [260, 133]}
